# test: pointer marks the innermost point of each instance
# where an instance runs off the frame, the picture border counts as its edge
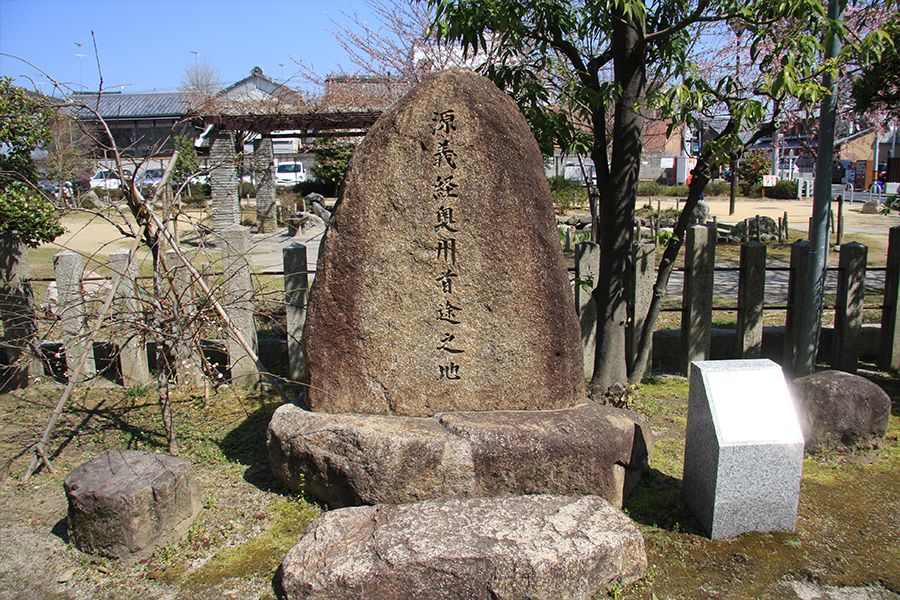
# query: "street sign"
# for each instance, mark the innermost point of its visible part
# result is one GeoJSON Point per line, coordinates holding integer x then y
{"type": "Point", "coordinates": [769, 180]}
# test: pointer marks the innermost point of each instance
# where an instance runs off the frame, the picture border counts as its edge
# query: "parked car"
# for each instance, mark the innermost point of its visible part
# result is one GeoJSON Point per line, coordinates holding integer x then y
{"type": "Point", "coordinates": [290, 174]}
{"type": "Point", "coordinates": [105, 179]}
{"type": "Point", "coordinates": [151, 178]}
{"type": "Point", "coordinates": [199, 178]}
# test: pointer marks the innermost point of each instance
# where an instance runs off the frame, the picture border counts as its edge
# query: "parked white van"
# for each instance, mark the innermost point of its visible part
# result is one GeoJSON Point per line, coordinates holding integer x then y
{"type": "Point", "coordinates": [290, 173]}
{"type": "Point", "coordinates": [106, 179]}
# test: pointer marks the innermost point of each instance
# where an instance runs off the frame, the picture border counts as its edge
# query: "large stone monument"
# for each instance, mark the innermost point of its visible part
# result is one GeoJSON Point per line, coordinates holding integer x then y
{"type": "Point", "coordinates": [743, 452]}
{"type": "Point", "coordinates": [445, 375]}
{"type": "Point", "coordinates": [421, 302]}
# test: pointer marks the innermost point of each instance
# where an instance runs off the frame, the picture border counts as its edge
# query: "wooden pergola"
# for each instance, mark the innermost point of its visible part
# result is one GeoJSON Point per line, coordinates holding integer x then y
{"type": "Point", "coordinates": [312, 124]}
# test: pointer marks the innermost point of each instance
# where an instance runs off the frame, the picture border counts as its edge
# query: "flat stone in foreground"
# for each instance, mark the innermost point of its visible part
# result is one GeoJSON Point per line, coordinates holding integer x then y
{"type": "Point", "coordinates": [124, 504]}
{"type": "Point", "coordinates": [349, 459]}
{"type": "Point", "coordinates": [538, 547]}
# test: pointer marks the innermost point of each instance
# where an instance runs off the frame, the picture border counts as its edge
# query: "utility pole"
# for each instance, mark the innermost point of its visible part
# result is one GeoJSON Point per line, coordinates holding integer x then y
{"type": "Point", "coordinates": [811, 314]}
{"type": "Point", "coordinates": [732, 194]}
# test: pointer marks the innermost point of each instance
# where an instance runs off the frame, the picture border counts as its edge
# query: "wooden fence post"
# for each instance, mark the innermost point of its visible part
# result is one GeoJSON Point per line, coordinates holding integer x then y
{"type": "Point", "coordinates": [851, 294]}
{"type": "Point", "coordinates": [889, 346]}
{"type": "Point", "coordinates": [696, 311]}
{"type": "Point", "coordinates": [239, 303]}
{"type": "Point", "coordinates": [189, 361]}
{"type": "Point", "coordinates": [127, 309]}
{"type": "Point", "coordinates": [751, 296]}
{"type": "Point", "coordinates": [17, 314]}
{"type": "Point", "coordinates": [795, 301]}
{"type": "Point", "coordinates": [296, 286]}
{"type": "Point", "coordinates": [587, 272]}
{"type": "Point", "coordinates": [643, 276]}
{"type": "Point", "coordinates": [69, 270]}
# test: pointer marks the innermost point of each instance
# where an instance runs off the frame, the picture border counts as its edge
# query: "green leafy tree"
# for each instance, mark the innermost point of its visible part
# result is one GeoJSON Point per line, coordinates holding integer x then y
{"type": "Point", "coordinates": [331, 162]}
{"type": "Point", "coordinates": [188, 163]}
{"type": "Point", "coordinates": [754, 165]}
{"type": "Point", "coordinates": [31, 216]}
{"type": "Point", "coordinates": [24, 125]}
{"type": "Point", "coordinates": [878, 83]}
{"type": "Point", "coordinates": [586, 74]}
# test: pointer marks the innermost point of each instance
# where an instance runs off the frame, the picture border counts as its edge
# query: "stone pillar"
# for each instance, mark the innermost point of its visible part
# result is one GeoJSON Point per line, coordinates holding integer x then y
{"type": "Point", "coordinates": [587, 272]}
{"type": "Point", "coordinates": [69, 270]}
{"type": "Point", "coordinates": [188, 360]}
{"type": "Point", "coordinates": [851, 294]}
{"type": "Point", "coordinates": [223, 181]}
{"type": "Point", "coordinates": [296, 287]}
{"type": "Point", "coordinates": [795, 304]}
{"type": "Point", "coordinates": [17, 314]}
{"type": "Point", "coordinates": [239, 303]}
{"type": "Point", "coordinates": [696, 311]}
{"type": "Point", "coordinates": [751, 296]}
{"type": "Point", "coordinates": [889, 348]}
{"type": "Point", "coordinates": [126, 312]}
{"type": "Point", "coordinates": [264, 167]}
{"type": "Point", "coordinates": [642, 280]}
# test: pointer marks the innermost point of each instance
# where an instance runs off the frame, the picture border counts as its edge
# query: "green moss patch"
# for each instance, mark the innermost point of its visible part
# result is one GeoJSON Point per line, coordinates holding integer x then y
{"type": "Point", "coordinates": [848, 526]}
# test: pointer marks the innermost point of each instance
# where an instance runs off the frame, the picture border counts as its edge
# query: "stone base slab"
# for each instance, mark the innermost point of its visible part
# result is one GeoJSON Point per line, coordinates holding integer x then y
{"type": "Point", "coordinates": [540, 547]}
{"type": "Point", "coordinates": [352, 459]}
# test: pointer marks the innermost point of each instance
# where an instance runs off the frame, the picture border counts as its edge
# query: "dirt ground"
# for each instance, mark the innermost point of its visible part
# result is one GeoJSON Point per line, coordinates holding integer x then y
{"type": "Point", "coordinates": [846, 547]}
{"type": "Point", "coordinates": [98, 237]}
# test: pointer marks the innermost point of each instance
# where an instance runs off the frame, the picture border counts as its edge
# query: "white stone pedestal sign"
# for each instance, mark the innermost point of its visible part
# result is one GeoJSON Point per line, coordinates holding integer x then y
{"type": "Point", "coordinates": [743, 453]}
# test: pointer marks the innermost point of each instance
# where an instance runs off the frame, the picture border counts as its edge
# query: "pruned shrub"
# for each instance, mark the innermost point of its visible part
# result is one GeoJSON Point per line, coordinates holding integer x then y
{"type": "Point", "coordinates": [325, 188]}
{"type": "Point", "coordinates": [247, 190]}
{"type": "Point", "coordinates": [784, 189]}
{"type": "Point", "coordinates": [717, 188]}
{"type": "Point", "coordinates": [650, 188]}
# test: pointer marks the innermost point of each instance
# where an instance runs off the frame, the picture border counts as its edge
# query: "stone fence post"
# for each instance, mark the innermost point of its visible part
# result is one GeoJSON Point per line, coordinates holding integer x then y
{"type": "Point", "coordinates": [126, 312]}
{"type": "Point", "coordinates": [587, 272]}
{"type": "Point", "coordinates": [751, 296]}
{"type": "Point", "coordinates": [696, 311]}
{"type": "Point", "coordinates": [188, 360]}
{"type": "Point", "coordinates": [17, 313]}
{"type": "Point", "coordinates": [263, 161]}
{"type": "Point", "coordinates": [69, 269]}
{"type": "Point", "coordinates": [296, 288]}
{"type": "Point", "coordinates": [795, 304]}
{"type": "Point", "coordinates": [889, 347]}
{"type": "Point", "coordinates": [643, 276]}
{"type": "Point", "coordinates": [239, 303]}
{"type": "Point", "coordinates": [851, 294]}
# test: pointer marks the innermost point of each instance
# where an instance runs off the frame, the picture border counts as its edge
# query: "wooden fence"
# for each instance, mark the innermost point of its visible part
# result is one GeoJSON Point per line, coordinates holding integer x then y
{"type": "Point", "coordinates": [23, 356]}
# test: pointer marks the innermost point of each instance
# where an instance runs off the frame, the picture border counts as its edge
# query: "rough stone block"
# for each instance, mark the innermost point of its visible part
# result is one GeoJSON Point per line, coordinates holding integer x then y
{"type": "Point", "coordinates": [537, 547]}
{"type": "Point", "coordinates": [124, 504]}
{"type": "Point", "coordinates": [348, 459]}
{"type": "Point", "coordinates": [743, 453]}
{"type": "Point", "coordinates": [840, 412]}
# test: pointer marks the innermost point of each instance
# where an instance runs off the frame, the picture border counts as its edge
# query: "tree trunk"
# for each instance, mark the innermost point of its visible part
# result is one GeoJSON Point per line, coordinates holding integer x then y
{"type": "Point", "coordinates": [617, 197]}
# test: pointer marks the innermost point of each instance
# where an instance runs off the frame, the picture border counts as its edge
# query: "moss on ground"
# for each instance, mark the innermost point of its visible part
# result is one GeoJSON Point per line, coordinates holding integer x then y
{"type": "Point", "coordinates": [848, 526]}
{"type": "Point", "coordinates": [262, 555]}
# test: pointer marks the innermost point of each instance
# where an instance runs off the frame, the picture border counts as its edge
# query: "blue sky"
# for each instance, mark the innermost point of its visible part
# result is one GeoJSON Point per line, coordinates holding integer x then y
{"type": "Point", "coordinates": [145, 45]}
